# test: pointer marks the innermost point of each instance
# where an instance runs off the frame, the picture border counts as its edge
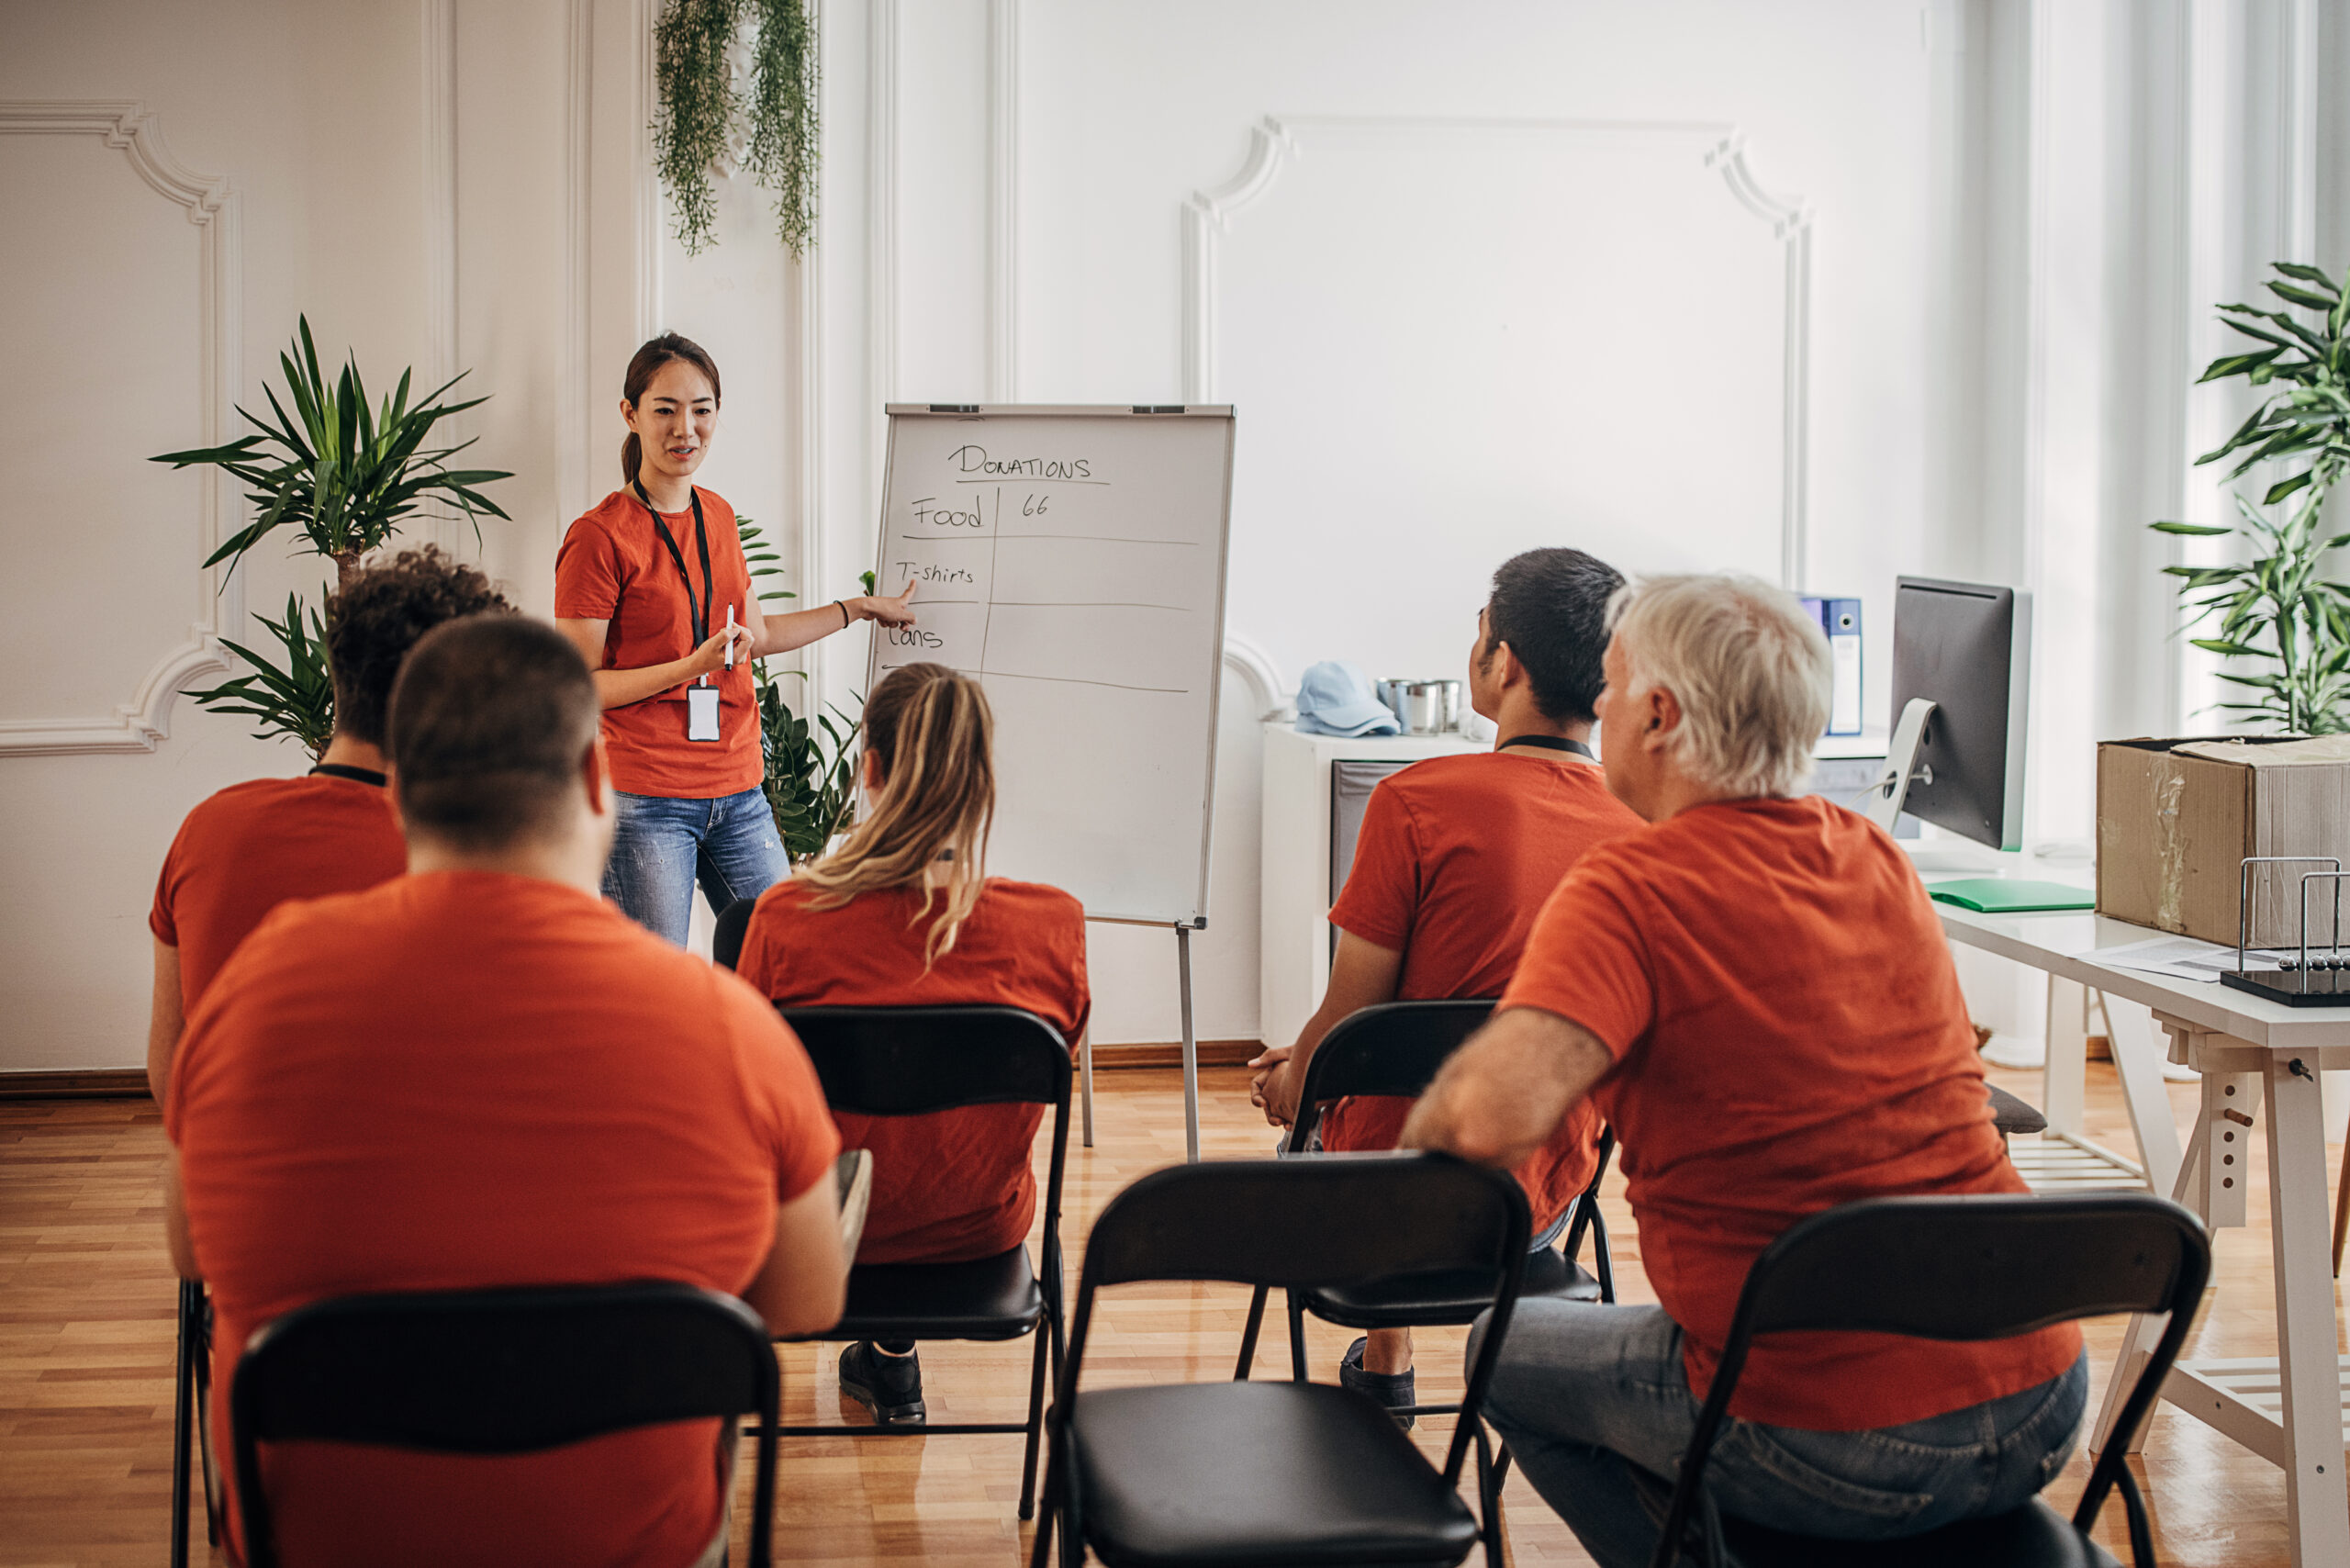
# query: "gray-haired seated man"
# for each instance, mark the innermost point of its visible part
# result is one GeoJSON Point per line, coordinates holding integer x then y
{"type": "Point", "coordinates": [1755, 990]}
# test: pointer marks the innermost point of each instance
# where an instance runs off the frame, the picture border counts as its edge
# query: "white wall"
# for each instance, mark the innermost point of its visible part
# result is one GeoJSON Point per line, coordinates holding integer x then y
{"type": "Point", "coordinates": [1829, 289]}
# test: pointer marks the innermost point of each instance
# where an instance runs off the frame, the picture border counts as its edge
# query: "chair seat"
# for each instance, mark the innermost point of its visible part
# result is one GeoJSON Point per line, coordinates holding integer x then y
{"type": "Point", "coordinates": [2013, 1115]}
{"type": "Point", "coordinates": [987, 1298]}
{"type": "Point", "coordinates": [1271, 1473]}
{"type": "Point", "coordinates": [2035, 1536]}
{"type": "Point", "coordinates": [1457, 1296]}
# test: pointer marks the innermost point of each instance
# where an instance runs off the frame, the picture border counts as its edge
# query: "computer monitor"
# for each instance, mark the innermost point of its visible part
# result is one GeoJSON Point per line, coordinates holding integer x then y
{"type": "Point", "coordinates": [1962, 667]}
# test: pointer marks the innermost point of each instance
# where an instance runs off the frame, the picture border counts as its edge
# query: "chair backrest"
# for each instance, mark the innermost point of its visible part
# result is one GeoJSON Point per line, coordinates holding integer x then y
{"type": "Point", "coordinates": [905, 1061]}
{"type": "Point", "coordinates": [1391, 1048]}
{"type": "Point", "coordinates": [1986, 1267]}
{"type": "Point", "coordinates": [1300, 1224]}
{"type": "Point", "coordinates": [726, 942]}
{"type": "Point", "coordinates": [498, 1371]}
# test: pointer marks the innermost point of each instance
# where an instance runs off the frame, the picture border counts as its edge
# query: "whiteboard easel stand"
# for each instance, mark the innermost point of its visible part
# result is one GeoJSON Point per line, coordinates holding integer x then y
{"type": "Point", "coordinates": [1191, 1048]}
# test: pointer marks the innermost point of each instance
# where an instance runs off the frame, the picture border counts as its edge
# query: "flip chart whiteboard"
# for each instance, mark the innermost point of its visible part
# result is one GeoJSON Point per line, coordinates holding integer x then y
{"type": "Point", "coordinates": [1072, 559]}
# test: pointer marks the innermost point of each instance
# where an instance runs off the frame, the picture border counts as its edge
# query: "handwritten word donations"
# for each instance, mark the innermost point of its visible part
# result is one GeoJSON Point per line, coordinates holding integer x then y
{"type": "Point", "coordinates": [974, 459]}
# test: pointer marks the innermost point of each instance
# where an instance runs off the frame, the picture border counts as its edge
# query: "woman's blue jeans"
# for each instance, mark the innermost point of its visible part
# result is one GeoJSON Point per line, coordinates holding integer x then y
{"type": "Point", "coordinates": [1585, 1393]}
{"type": "Point", "coordinates": [662, 846]}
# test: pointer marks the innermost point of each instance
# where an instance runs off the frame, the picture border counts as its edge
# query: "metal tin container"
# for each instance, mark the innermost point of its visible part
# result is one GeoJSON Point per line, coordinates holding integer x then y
{"type": "Point", "coordinates": [1431, 706]}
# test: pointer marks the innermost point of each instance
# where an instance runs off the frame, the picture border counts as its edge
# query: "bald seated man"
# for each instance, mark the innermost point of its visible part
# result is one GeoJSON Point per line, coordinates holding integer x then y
{"type": "Point", "coordinates": [1755, 994]}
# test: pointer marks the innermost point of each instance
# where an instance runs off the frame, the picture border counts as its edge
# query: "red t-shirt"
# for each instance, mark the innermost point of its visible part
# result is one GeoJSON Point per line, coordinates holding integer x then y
{"type": "Point", "coordinates": [957, 1184]}
{"type": "Point", "coordinates": [252, 847]}
{"type": "Point", "coordinates": [614, 567]}
{"type": "Point", "coordinates": [1456, 855]}
{"type": "Point", "coordinates": [460, 1081]}
{"type": "Point", "coordinates": [1788, 1035]}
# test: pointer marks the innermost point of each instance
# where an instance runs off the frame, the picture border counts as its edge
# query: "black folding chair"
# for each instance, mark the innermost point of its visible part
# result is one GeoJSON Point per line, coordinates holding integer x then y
{"type": "Point", "coordinates": [906, 1061]}
{"type": "Point", "coordinates": [726, 941]}
{"type": "Point", "coordinates": [1963, 1268]}
{"type": "Point", "coordinates": [1277, 1474]}
{"type": "Point", "coordinates": [500, 1371]}
{"type": "Point", "coordinates": [1395, 1050]}
{"type": "Point", "coordinates": [190, 1407]}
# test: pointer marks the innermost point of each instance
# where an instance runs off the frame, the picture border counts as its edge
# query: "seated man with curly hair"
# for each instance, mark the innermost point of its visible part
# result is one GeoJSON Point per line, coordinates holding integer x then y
{"type": "Point", "coordinates": [252, 847]}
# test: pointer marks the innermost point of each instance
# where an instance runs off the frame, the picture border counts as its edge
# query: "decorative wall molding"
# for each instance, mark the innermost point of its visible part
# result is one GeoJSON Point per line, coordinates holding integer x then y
{"type": "Point", "coordinates": [575, 435]}
{"type": "Point", "coordinates": [807, 380]}
{"type": "Point", "coordinates": [1275, 141]}
{"type": "Point", "coordinates": [880, 235]}
{"type": "Point", "coordinates": [438, 102]}
{"type": "Point", "coordinates": [1257, 667]}
{"type": "Point", "coordinates": [649, 312]}
{"type": "Point", "coordinates": [1004, 201]}
{"type": "Point", "coordinates": [211, 205]}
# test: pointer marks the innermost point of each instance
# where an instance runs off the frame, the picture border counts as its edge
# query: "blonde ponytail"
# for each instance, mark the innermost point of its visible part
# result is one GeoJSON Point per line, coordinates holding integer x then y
{"type": "Point", "coordinates": [935, 735]}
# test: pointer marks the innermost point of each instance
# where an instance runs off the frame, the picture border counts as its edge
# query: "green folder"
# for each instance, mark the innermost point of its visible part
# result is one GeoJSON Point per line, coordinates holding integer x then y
{"type": "Point", "coordinates": [2006, 895]}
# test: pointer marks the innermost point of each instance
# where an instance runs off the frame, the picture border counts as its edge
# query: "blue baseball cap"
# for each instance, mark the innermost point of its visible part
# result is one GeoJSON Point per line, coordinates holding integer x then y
{"type": "Point", "coordinates": [1336, 699]}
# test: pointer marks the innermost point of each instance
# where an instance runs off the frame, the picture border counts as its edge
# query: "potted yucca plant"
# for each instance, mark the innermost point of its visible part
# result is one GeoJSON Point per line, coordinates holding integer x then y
{"type": "Point", "coordinates": [346, 475]}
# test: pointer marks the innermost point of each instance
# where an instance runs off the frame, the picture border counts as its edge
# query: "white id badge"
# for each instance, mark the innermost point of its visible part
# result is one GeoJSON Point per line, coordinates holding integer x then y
{"type": "Point", "coordinates": [701, 712]}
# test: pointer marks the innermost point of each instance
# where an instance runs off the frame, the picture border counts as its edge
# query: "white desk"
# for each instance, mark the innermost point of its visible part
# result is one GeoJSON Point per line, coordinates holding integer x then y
{"type": "Point", "coordinates": [2287, 1408]}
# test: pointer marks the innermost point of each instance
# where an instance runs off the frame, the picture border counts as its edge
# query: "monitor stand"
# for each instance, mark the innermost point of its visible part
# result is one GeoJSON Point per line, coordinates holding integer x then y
{"type": "Point", "coordinates": [1892, 788]}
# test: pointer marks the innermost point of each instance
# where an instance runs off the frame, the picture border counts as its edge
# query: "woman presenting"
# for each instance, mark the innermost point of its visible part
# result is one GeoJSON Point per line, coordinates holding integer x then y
{"type": "Point", "coordinates": [653, 588]}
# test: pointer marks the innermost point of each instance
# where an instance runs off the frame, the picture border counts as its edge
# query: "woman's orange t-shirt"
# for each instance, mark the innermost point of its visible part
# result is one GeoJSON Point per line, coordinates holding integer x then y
{"type": "Point", "coordinates": [1456, 855]}
{"type": "Point", "coordinates": [1788, 1035]}
{"type": "Point", "coordinates": [252, 847]}
{"type": "Point", "coordinates": [463, 1081]}
{"type": "Point", "coordinates": [952, 1185]}
{"type": "Point", "coordinates": [614, 567]}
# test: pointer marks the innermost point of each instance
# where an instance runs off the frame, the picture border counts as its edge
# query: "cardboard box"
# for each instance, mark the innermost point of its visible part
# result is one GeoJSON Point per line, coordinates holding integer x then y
{"type": "Point", "coordinates": [2176, 819]}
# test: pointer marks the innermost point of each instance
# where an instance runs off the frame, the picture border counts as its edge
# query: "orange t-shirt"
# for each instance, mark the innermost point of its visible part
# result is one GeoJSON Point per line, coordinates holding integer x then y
{"type": "Point", "coordinates": [1455, 858]}
{"type": "Point", "coordinates": [1788, 1035]}
{"type": "Point", "coordinates": [252, 847]}
{"type": "Point", "coordinates": [952, 1185]}
{"type": "Point", "coordinates": [614, 567]}
{"type": "Point", "coordinates": [465, 1080]}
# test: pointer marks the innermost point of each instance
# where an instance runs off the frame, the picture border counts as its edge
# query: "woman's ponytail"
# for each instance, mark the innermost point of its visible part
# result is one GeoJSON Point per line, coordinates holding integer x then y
{"type": "Point", "coordinates": [631, 455]}
{"type": "Point", "coordinates": [933, 731]}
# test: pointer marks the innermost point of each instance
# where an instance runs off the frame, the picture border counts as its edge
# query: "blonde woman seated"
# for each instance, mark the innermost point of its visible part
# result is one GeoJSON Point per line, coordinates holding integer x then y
{"type": "Point", "coordinates": [903, 914]}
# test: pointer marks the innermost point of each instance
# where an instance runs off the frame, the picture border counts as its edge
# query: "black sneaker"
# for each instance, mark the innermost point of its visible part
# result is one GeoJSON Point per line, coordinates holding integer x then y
{"type": "Point", "coordinates": [1391, 1389]}
{"type": "Point", "coordinates": [889, 1386]}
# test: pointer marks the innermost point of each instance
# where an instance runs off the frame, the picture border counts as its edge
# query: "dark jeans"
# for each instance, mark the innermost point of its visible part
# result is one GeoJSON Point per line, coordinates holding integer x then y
{"type": "Point", "coordinates": [1585, 1393]}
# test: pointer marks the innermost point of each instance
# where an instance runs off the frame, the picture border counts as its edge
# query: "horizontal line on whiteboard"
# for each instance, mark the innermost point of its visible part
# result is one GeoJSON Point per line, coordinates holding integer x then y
{"type": "Point", "coordinates": [1067, 680]}
{"type": "Point", "coordinates": [1086, 538]}
{"type": "Point", "coordinates": [1072, 604]}
{"type": "Point", "coordinates": [1027, 478]}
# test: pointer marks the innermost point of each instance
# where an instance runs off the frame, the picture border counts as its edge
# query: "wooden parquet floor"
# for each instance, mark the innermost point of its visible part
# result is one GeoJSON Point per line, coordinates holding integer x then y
{"type": "Point", "coordinates": [86, 1326]}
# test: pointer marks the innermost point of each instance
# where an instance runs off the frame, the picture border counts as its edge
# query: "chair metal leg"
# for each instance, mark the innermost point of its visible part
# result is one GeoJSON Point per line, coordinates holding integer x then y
{"type": "Point", "coordinates": [1036, 1423]}
{"type": "Point", "coordinates": [1049, 1514]}
{"type": "Point", "coordinates": [1297, 1338]}
{"type": "Point", "coordinates": [184, 1415]}
{"type": "Point", "coordinates": [1257, 1323]}
{"type": "Point", "coordinates": [206, 1469]}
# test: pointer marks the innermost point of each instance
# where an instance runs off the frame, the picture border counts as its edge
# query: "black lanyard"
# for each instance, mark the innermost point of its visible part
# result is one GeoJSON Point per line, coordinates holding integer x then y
{"type": "Point", "coordinates": [697, 614]}
{"type": "Point", "coordinates": [356, 775]}
{"type": "Point", "coordinates": [1551, 743]}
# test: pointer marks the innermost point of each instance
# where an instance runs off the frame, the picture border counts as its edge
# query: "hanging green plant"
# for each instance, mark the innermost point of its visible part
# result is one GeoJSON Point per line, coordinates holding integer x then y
{"type": "Point", "coordinates": [694, 127]}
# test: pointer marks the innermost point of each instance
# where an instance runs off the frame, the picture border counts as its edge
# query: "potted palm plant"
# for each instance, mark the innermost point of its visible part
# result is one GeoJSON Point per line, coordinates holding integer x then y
{"type": "Point", "coordinates": [346, 475]}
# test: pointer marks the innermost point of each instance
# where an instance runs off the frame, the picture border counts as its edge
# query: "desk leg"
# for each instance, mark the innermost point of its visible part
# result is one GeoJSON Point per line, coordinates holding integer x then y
{"type": "Point", "coordinates": [2192, 1189]}
{"type": "Point", "coordinates": [2309, 1367]}
{"type": "Point", "coordinates": [2064, 1077]}
{"type": "Point", "coordinates": [2138, 1062]}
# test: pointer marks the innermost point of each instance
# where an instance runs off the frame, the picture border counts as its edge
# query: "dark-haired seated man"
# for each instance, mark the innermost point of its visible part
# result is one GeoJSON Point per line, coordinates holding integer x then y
{"type": "Point", "coordinates": [1455, 857]}
{"type": "Point", "coordinates": [481, 1075]}
{"type": "Point", "coordinates": [1756, 992]}
{"type": "Point", "coordinates": [249, 847]}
